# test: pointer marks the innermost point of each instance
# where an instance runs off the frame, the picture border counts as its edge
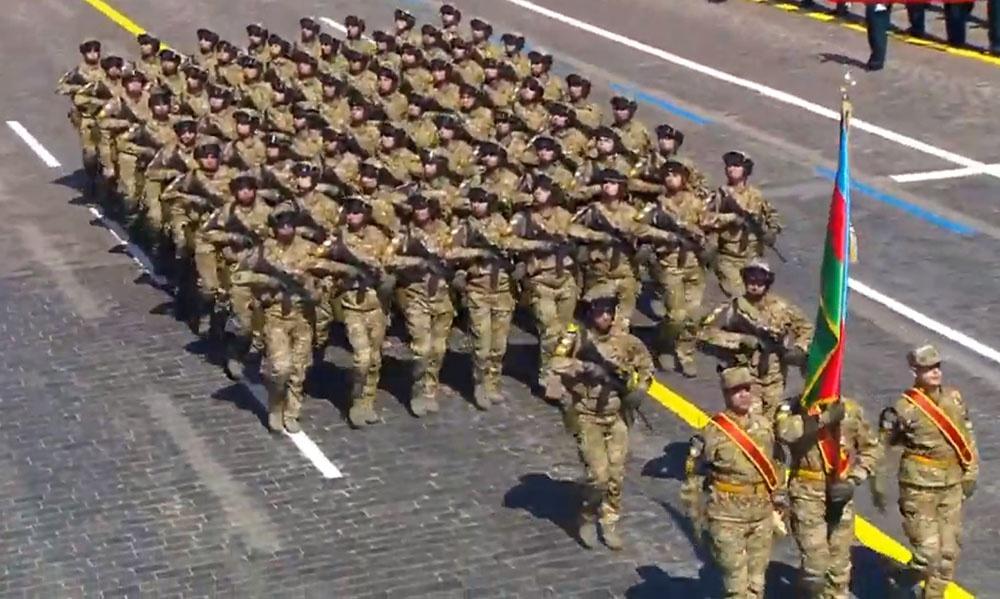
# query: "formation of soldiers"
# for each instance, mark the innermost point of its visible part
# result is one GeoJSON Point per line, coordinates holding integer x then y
{"type": "Point", "coordinates": [429, 172]}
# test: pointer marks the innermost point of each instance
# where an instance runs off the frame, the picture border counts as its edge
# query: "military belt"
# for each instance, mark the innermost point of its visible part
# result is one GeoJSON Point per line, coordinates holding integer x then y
{"type": "Point", "coordinates": [929, 461]}
{"type": "Point", "coordinates": [810, 475]}
{"type": "Point", "coordinates": [739, 488]}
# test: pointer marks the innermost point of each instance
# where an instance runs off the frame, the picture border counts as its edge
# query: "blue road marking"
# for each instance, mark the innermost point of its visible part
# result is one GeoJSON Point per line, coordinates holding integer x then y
{"type": "Point", "coordinates": [912, 209]}
{"type": "Point", "coordinates": [641, 96]}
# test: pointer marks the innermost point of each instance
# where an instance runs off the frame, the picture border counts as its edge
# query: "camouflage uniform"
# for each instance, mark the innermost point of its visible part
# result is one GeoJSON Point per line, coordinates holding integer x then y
{"type": "Point", "coordinates": [933, 482]}
{"type": "Point", "coordinates": [598, 401]}
{"type": "Point", "coordinates": [75, 84]}
{"type": "Point", "coordinates": [824, 541]}
{"type": "Point", "coordinates": [738, 510]}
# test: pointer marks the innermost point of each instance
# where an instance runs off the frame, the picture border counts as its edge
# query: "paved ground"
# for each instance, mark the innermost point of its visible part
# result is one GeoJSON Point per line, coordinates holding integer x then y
{"type": "Point", "coordinates": [129, 466]}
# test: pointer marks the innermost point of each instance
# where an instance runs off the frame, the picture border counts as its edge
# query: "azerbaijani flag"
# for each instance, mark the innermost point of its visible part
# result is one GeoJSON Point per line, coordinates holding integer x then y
{"type": "Point", "coordinates": [826, 352]}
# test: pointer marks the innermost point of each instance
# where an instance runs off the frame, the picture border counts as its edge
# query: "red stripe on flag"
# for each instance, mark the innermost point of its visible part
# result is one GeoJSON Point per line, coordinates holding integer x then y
{"type": "Point", "coordinates": [837, 229]}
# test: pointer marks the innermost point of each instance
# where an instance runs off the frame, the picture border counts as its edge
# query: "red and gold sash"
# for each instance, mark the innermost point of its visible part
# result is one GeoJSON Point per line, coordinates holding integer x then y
{"type": "Point", "coordinates": [750, 449]}
{"type": "Point", "coordinates": [833, 452]}
{"type": "Point", "coordinates": [951, 432]}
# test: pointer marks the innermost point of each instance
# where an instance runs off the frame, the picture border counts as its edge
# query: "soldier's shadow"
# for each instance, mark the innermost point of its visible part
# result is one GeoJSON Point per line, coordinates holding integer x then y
{"type": "Point", "coordinates": [77, 181]}
{"type": "Point", "coordinates": [871, 573]}
{"type": "Point", "coordinates": [547, 499]}
{"type": "Point", "coordinates": [240, 396]}
{"type": "Point", "coordinates": [670, 465]}
{"type": "Point", "coordinates": [657, 583]}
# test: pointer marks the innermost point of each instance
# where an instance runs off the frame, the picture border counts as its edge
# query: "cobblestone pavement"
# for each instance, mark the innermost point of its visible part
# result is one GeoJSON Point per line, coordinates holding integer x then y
{"type": "Point", "coordinates": [129, 466]}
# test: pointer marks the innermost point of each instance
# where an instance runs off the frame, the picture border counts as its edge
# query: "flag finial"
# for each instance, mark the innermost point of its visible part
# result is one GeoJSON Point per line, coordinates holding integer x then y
{"type": "Point", "coordinates": [849, 82]}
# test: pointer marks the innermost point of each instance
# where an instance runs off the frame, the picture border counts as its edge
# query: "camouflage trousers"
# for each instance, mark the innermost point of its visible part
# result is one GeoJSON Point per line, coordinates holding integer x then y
{"type": "Point", "coordinates": [89, 135]}
{"type": "Point", "coordinates": [365, 333]}
{"type": "Point", "coordinates": [152, 210]}
{"type": "Point", "coordinates": [683, 289]}
{"type": "Point", "coordinates": [490, 314]}
{"type": "Point", "coordinates": [328, 311]}
{"type": "Point", "coordinates": [288, 336]}
{"type": "Point", "coordinates": [727, 270]}
{"type": "Point", "coordinates": [932, 521]}
{"type": "Point", "coordinates": [130, 181]}
{"type": "Point", "coordinates": [553, 308]}
{"type": "Point", "coordinates": [825, 547]}
{"type": "Point", "coordinates": [428, 321]}
{"type": "Point", "coordinates": [770, 393]}
{"type": "Point", "coordinates": [742, 551]}
{"type": "Point", "coordinates": [603, 445]}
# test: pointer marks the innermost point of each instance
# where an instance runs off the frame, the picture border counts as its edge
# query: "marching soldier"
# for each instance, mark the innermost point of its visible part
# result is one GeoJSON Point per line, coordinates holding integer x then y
{"type": "Point", "coordinates": [478, 118]}
{"type": "Point", "coordinates": [444, 90]}
{"type": "Point", "coordinates": [499, 84]}
{"type": "Point", "coordinates": [194, 100]}
{"type": "Point", "coordinates": [392, 103]}
{"type": "Point", "coordinates": [413, 71]}
{"type": "Point", "coordinates": [399, 160]}
{"type": "Point", "coordinates": [744, 221]}
{"type": "Point", "coordinates": [451, 18]}
{"type": "Point", "coordinates": [355, 36]}
{"type": "Point", "coordinates": [588, 113]}
{"type": "Point", "coordinates": [227, 72]}
{"type": "Point", "coordinates": [565, 127]}
{"type": "Point", "coordinates": [453, 143]}
{"type": "Point", "coordinates": [513, 44]}
{"type": "Point", "coordinates": [498, 176]}
{"type": "Point", "coordinates": [257, 49]}
{"type": "Point", "coordinates": [730, 485]}
{"type": "Point", "coordinates": [280, 63]}
{"type": "Point", "coordinates": [115, 120]}
{"type": "Point", "coordinates": [549, 161]}
{"type": "Point", "coordinates": [434, 47]}
{"type": "Point", "coordinates": [632, 133]}
{"type": "Point", "coordinates": [464, 66]}
{"type": "Point", "coordinates": [541, 67]}
{"type": "Point", "coordinates": [361, 129]}
{"type": "Point", "coordinates": [308, 37]}
{"type": "Point", "coordinates": [331, 60]}
{"type": "Point", "coordinates": [248, 150]}
{"type": "Point", "coordinates": [937, 473]}
{"type": "Point", "coordinates": [307, 85]}
{"type": "Point", "coordinates": [600, 374]}
{"type": "Point", "coordinates": [170, 163]}
{"type": "Point", "coordinates": [831, 453]}
{"type": "Point", "coordinates": [170, 78]}
{"type": "Point", "coordinates": [358, 75]}
{"type": "Point", "coordinates": [405, 31]}
{"type": "Point", "coordinates": [418, 124]}
{"type": "Point", "coordinates": [480, 41]}
{"type": "Point", "coordinates": [219, 122]}
{"type": "Point", "coordinates": [529, 107]}
{"type": "Point", "coordinates": [205, 58]}
{"type": "Point", "coordinates": [760, 330]}
{"type": "Point", "coordinates": [148, 65]}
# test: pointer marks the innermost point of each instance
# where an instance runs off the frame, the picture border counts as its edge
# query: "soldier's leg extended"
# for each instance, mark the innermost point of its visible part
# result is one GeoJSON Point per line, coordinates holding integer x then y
{"type": "Point", "coordinates": [919, 508]}
{"type": "Point", "coordinates": [279, 353]}
{"type": "Point", "coordinates": [240, 329]}
{"type": "Point", "coordinates": [152, 213]}
{"type": "Point", "coordinates": [627, 289]}
{"type": "Point", "coordinates": [418, 324]}
{"type": "Point", "coordinates": [594, 454]}
{"type": "Point", "coordinates": [503, 313]}
{"type": "Point", "coordinates": [809, 528]}
{"type": "Point", "coordinates": [694, 291]}
{"type": "Point", "coordinates": [617, 451]}
{"type": "Point", "coordinates": [129, 182]}
{"type": "Point", "coordinates": [545, 309]}
{"type": "Point", "coordinates": [206, 264]}
{"type": "Point", "coordinates": [442, 316]}
{"type": "Point", "coordinates": [760, 537]}
{"type": "Point", "coordinates": [326, 314]}
{"type": "Point", "coordinates": [838, 572]}
{"type": "Point", "coordinates": [480, 307]}
{"type": "Point", "coordinates": [728, 544]}
{"type": "Point", "coordinates": [365, 333]}
{"type": "Point", "coordinates": [300, 329]}
{"type": "Point", "coordinates": [727, 269]}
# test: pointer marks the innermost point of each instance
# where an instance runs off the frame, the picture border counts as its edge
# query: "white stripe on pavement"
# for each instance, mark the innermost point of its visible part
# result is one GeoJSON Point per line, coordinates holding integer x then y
{"type": "Point", "coordinates": [764, 90]}
{"type": "Point", "coordinates": [925, 321]}
{"type": "Point", "coordinates": [950, 173]}
{"type": "Point", "coordinates": [338, 25]}
{"type": "Point", "coordinates": [315, 455]}
{"type": "Point", "coordinates": [36, 147]}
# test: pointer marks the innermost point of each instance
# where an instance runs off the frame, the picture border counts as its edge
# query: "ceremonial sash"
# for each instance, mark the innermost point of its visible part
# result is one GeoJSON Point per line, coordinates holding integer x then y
{"type": "Point", "coordinates": [750, 449]}
{"type": "Point", "coordinates": [833, 453]}
{"type": "Point", "coordinates": [951, 432]}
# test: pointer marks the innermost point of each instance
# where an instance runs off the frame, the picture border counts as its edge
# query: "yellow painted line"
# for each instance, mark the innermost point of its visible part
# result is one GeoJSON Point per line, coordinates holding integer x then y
{"type": "Point", "coordinates": [976, 55]}
{"type": "Point", "coordinates": [867, 533]}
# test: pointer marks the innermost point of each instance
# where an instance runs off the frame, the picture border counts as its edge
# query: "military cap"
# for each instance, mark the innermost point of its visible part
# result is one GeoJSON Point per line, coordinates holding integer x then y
{"type": "Point", "coordinates": [761, 266]}
{"type": "Point", "coordinates": [478, 195]}
{"type": "Point", "coordinates": [243, 181]}
{"type": "Point", "coordinates": [447, 120]}
{"type": "Point", "coordinates": [544, 181]}
{"type": "Point", "coordinates": [207, 35]}
{"type": "Point", "coordinates": [357, 100]}
{"type": "Point", "coordinates": [244, 117]}
{"type": "Point", "coordinates": [544, 142]}
{"type": "Point", "coordinates": [537, 57]}
{"type": "Point", "coordinates": [284, 216]}
{"type": "Point", "coordinates": [225, 46]}
{"type": "Point", "coordinates": [90, 46]}
{"type": "Point", "coordinates": [330, 80]}
{"type": "Point", "coordinates": [356, 204]}
{"type": "Point", "coordinates": [606, 133]}
{"type": "Point", "coordinates": [512, 39]}
{"type": "Point", "coordinates": [440, 64]}
{"type": "Point", "coordinates": [275, 140]}
{"type": "Point", "coordinates": [532, 84]}
{"type": "Point", "coordinates": [458, 43]}
{"type": "Point", "coordinates": [560, 109]}
{"type": "Point", "coordinates": [623, 103]}
{"type": "Point", "coordinates": [467, 89]}
{"type": "Point", "coordinates": [217, 91]}
{"type": "Point", "coordinates": [331, 134]}
{"type": "Point", "coordinates": [304, 169]}
{"type": "Point", "coordinates": [489, 63]}
{"type": "Point", "coordinates": [665, 131]}
{"type": "Point", "coordinates": [387, 72]}
{"type": "Point", "coordinates": [315, 120]}
{"type": "Point", "coordinates": [411, 50]}
{"type": "Point", "coordinates": [354, 21]}
{"type": "Point", "coordinates": [449, 9]}
{"type": "Point", "coordinates": [417, 99]}
{"type": "Point", "coordinates": [248, 62]}
{"type": "Point", "coordinates": [133, 75]}
{"type": "Point", "coordinates": [207, 149]}
{"type": "Point", "coordinates": [146, 39]}
{"type": "Point", "coordinates": [924, 356]}
{"type": "Point", "coordinates": [353, 55]}
{"type": "Point", "coordinates": [304, 58]}
{"type": "Point", "coordinates": [309, 24]}
{"type": "Point", "coordinates": [278, 86]}
{"type": "Point", "coordinates": [601, 298]}
{"type": "Point", "coordinates": [735, 158]}
{"type": "Point", "coordinates": [428, 29]}
{"type": "Point", "coordinates": [382, 37]}
{"type": "Point", "coordinates": [256, 30]}
{"type": "Point", "coordinates": [112, 62]}
{"type": "Point", "coordinates": [672, 166]}
{"type": "Point", "coordinates": [610, 175]}
{"type": "Point", "coordinates": [420, 202]}
{"type": "Point", "coordinates": [736, 377]}
{"type": "Point", "coordinates": [301, 111]}
{"type": "Point", "coordinates": [275, 40]}
{"type": "Point", "coordinates": [168, 55]}
{"type": "Point", "coordinates": [387, 129]}
{"type": "Point", "coordinates": [430, 156]}
{"type": "Point", "coordinates": [325, 39]}
{"type": "Point", "coordinates": [490, 148]}
{"type": "Point", "coordinates": [185, 125]}
{"type": "Point", "coordinates": [478, 24]}
{"type": "Point", "coordinates": [403, 15]}
{"type": "Point", "coordinates": [577, 80]}
{"type": "Point", "coordinates": [159, 98]}
{"type": "Point", "coordinates": [369, 169]}
{"type": "Point", "coordinates": [195, 72]}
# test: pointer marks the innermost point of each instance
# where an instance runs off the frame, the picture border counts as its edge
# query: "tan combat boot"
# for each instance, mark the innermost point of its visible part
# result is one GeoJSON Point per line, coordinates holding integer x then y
{"type": "Point", "coordinates": [588, 531]}
{"type": "Point", "coordinates": [611, 536]}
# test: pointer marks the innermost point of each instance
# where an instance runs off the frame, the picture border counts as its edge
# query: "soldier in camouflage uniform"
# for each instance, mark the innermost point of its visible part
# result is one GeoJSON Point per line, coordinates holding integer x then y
{"type": "Point", "coordinates": [205, 58]}
{"type": "Point", "coordinates": [760, 330]}
{"type": "Point", "coordinates": [257, 36]}
{"type": "Point", "coordinates": [418, 124]}
{"type": "Point", "coordinates": [564, 127]}
{"type": "Point", "coordinates": [478, 119]}
{"type": "Point", "coordinates": [600, 374]}
{"type": "Point", "coordinates": [170, 77]}
{"type": "Point", "coordinates": [588, 113]}
{"type": "Point", "coordinates": [743, 220]}
{"type": "Point", "coordinates": [355, 36]}
{"type": "Point", "coordinates": [937, 473]}
{"type": "Point", "coordinates": [392, 103]}
{"type": "Point", "coordinates": [148, 63]}
{"type": "Point", "coordinates": [395, 157]}
{"type": "Point", "coordinates": [481, 32]}
{"type": "Point", "coordinates": [728, 494]}
{"type": "Point", "coordinates": [822, 506]}
{"type": "Point", "coordinates": [530, 108]}
{"type": "Point", "coordinates": [308, 37]}
{"type": "Point", "coordinates": [454, 144]}
{"type": "Point", "coordinates": [541, 70]}
{"type": "Point", "coordinates": [414, 71]}
{"type": "Point", "coordinates": [405, 31]}
{"type": "Point", "coordinates": [331, 61]}
{"type": "Point", "coordinates": [513, 44]}
{"type": "Point", "coordinates": [499, 84]}
{"type": "Point", "coordinates": [451, 18]}
{"type": "Point", "coordinates": [632, 133]}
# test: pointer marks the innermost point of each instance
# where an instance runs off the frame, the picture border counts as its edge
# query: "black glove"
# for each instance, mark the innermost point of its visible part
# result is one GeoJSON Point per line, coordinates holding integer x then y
{"type": "Point", "coordinates": [460, 281]}
{"type": "Point", "coordinates": [968, 488]}
{"type": "Point", "coordinates": [877, 485]}
{"type": "Point", "coordinates": [634, 399]}
{"type": "Point", "coordinates": [644, 254]}
{"type": "Point", "coordinates": [796, 356]}
{"type": "Point", "coordinates": [841, 491]}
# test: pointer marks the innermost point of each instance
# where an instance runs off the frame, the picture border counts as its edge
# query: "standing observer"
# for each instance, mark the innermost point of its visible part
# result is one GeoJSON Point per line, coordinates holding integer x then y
{"type": "Point", "coordinates": [877, 18]}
